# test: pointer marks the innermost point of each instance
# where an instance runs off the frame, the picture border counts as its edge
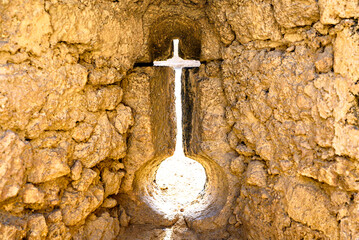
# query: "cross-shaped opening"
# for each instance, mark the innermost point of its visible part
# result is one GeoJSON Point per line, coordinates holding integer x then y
{"type": "Point", "coordinates": [160, 189]}
{"type": "Point", "coordinates": [179, 180]}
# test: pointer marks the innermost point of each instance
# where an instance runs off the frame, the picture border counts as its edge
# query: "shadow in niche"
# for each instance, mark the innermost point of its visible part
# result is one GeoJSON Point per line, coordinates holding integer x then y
{"type": "Point", "coordinates": [163, 31]}
{"type": "Point", "coordinates": [188, 98]}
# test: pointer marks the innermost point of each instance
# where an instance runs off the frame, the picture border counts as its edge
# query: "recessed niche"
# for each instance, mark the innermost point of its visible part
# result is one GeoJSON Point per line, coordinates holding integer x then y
{"type": "Point", "coordinates": [164, 30]}
{"type": "Point", "coordinates": [156, 198]}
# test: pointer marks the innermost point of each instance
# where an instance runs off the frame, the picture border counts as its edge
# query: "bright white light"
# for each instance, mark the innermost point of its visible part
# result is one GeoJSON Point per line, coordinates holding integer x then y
{"type": "Point", "coordinates": [180, 180]}
{"type": "Point", "coordinates": [169, 232]}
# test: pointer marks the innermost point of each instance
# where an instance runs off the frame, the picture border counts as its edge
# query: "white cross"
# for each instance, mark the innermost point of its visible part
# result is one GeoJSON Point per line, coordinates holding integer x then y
{"type": "Point", "coordinates": [177, 63]}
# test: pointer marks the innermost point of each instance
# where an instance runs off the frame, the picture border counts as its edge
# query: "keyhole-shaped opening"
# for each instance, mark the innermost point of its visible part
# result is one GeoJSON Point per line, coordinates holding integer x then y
{"type": "Point", "coordinates": [196, 188]}
{"type": "Point", "coordinates": [179, 179]}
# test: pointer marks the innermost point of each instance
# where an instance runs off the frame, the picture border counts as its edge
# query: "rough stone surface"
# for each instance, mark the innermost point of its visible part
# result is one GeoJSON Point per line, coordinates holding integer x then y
{"type": "Point", "coordinates": [32, 195]}
{"type": "Point", "coordinates": [332, 10]}
{"type": "Point", "coordinates": [103, 99]}
{"type": "Point", "coordinates": [109, 203]}
{"type": "Point", "coordinates": [112, 181]}
{"type": "Point", "coordinates": [238, 166]}
{"type": "Point", "coordinates": [12, 227]}
{"type": "Point", "coordinates": [85, 181]}
{"type": "Point", "coordinates": [58, 231]}
{"type": "Point", "coordinates": [295, 13]}
{"type": "Point", "coordinates": [283, 117]}
{"type": "Point", "coordinates": [98, 23]}
{"type": "Point", "coordinates": [104, 76]}
{"type": "Point", "coordinates": [253, 20]}
{"type": "Point", "coordinates": [48, 164]}
{"type": "Point", "coordinates": [82, 132]}
{"type": "Point", "coordinates": [256, 174]}
{"type": "Point", "coordinates": [103, 227]}
{"type": "Point", "coordinates": [12, 162]}
{"type": "Point", "coordinates": [272, 114]}
{"type": "Point", "coordinates": [76, 206]}
{"type": "Point", "coordinates": [300, 201]}
{"type": "Point", "coordinates": [37, 226]}
{"type": "Point", "coordinates": [124, 119]}
{"type": "Point", "coordinates": [51, 107]}
{"type": "Point", "coordinates": [76, 170]}
{"type": "Point", "coordinates": [346, 49]}
{"type": "Point", "coordinates": [99, 146]}
{"type": "Point", "coordinates": [324, 61]}
{"type": "Point", "coordinates": [55, 216]}
{"type": "Point", "coordinates": [31, 33]}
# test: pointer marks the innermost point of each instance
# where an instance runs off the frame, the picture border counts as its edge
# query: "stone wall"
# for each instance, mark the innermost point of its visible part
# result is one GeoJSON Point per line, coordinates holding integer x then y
{"type": "Point", "coordinates": [290, 79]}
{"type": "Point", "coordinates": [272, 114]}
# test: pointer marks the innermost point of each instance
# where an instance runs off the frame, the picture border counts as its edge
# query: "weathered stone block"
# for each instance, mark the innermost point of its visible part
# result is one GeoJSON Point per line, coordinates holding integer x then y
{"type": "Point", "coordinates": [85, 181]}
{"type": "Point", "coordinates": [54, 216]}
{"type": "Point", "coordinates": [76, 206]}
{"type": "Point", "coordinates": [32, 195]}
{"type": "Point", "coordinates": [31, 33]}
{"type": "Point", "coordinates": [346, 52]}
{"type": "Point", "coordinates": [112, 181]}
{"type": "Point", "coordinates": [103, 227]}
{"type": "Point", "coordinates": [37, 226]}
{"type": "Point", "coordinates": [12, 228]}
{"type": "Point", "coordinates": [110, 32]}
{"type": "Point", "coordinates": [291, 14]}
{"type": "Point", "coordinates": [58, 231]}
{"type": "Point", "coordinates": [104, 76]}
{"type": "Point", "coordinates": [123, 119]}
{"type": "Point", "coordinates": [118, 144]}
{"type": "Point", "coordinates": [300, 200]}
{"type": "Point", "coordinates": [106, 98]}
{"type": "Point", "coordinates": [48, 164]}
{"type": "Point", "coordinates": [82, 132]}
{"type": "Point", "coordinates": [253, 20]}
{"type": "Point", "coordinates": [332, 10]}
{"type": "Point", "coordinates": [12, 164]}
{"type": "Point", "coordinates": [98, 146]}
{"type": "Point", "coordinates": [324, 61]}
{"type": "Point", "coordinates": [256, 174]}
{"type": "Point", "coordinates": [109, 203]}
{"type": "Point", "coordinates": [238, 166]}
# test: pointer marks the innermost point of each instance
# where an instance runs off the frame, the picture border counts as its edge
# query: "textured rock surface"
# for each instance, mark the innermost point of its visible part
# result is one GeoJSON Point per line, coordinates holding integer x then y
{"type": "Point", "coordinates": [272, 115]}
{"type": "Point", "coordinates": [31, 33]}
{"type": "Point", "coordinates": [12, 162]}
{"type": "Point", "coordinates": [346, 47]}
{"type": "Point", "coordinates": [100, 144]}
{"type": "Point", "coordinates": [296, 119]}
{"type": "Point", "coordinates": [38, 227]}
{"type": "Point", "coordinates": [12, 227]}
{"type": "Point", "coordinates": [106, 28]}
{"type": "Point", "coordinates": [48, 164]}
{"type": "Point", "coordinates": [253, 20]}
{"type": "Point", "coordinates": [295, 13]}
{"type": "Point", "coordinates": [32, 195]}
{"type": "Point", "coordinates": [103, 227]}
{"type": "Point", "coordinates": [76, 206]}
{"type": "Point", "coordinates": [333, 10]}
{"type": "Point", "coordinates": [300, 199]}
